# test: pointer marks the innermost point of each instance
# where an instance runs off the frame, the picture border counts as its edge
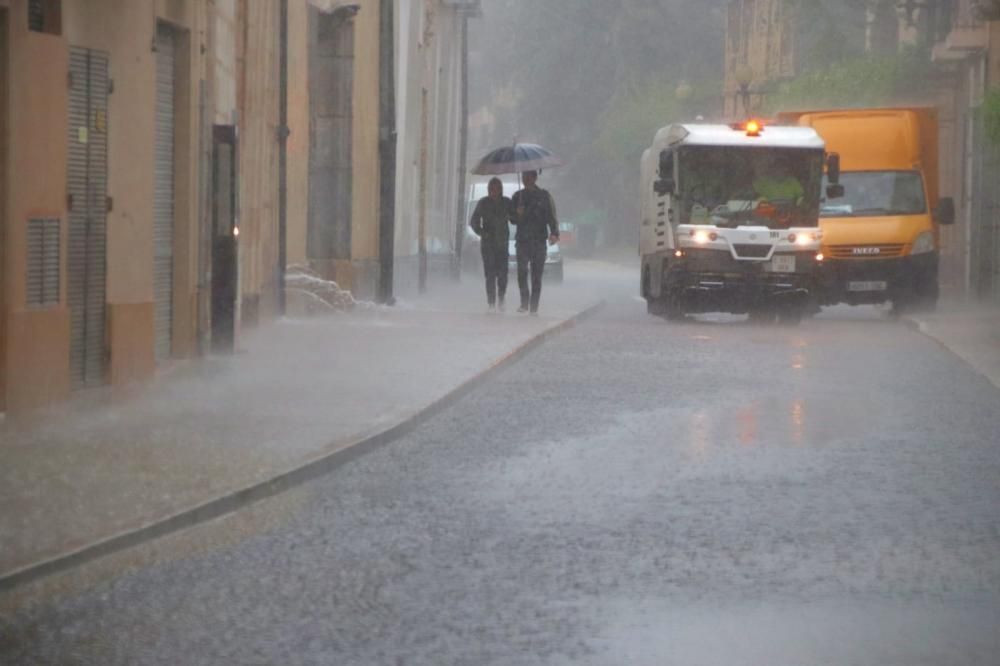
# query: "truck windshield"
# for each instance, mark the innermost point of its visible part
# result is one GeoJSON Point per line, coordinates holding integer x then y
{"type": "Point", "coordinates": [730, 187]}
{"type": "Point", "coordinates": [873, 193]}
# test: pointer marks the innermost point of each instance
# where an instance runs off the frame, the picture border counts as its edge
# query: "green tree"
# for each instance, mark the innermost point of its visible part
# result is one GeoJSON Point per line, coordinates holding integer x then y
{"type": "Point", "coordinates": [834, 68]}
{"type": "Point", "coordinates": [593, 80]}
{"type": "Point", "coordinates": [855, 82]}
{"type": "Point", "coordinates": [828, 31]}
{"type": "Point", "coordinates": [991, 115]}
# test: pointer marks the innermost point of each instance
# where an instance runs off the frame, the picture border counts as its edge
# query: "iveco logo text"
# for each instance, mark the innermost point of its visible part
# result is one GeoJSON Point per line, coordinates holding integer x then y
{"type": "Point", "coordinates": [867, 250]}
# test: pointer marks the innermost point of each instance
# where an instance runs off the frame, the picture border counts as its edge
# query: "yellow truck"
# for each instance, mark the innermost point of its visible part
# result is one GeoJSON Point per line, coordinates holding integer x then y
{"type": "Point", "coordinates": [881, 240]}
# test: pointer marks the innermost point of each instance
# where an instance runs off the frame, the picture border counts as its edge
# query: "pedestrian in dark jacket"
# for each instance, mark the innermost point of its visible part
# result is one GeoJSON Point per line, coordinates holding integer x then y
{"type": "Point", "coordinates": [489, 222]}
{"type": "Point", "coordinates": [535, 217]}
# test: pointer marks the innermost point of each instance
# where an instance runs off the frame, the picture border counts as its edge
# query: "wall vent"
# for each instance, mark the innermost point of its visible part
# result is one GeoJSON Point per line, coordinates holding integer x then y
{"type": "Point", "coordinates": [45, 16]}
{"type": "Point", "coordinates": [43, 262]}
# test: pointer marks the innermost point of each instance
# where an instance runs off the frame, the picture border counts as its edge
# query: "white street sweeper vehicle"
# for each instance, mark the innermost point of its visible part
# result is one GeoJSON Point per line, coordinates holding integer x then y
{"type": "Point", "coordinates": [730, 219]}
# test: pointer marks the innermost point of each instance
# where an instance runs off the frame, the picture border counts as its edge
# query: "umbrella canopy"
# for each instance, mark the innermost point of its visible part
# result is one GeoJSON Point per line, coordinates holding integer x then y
{"type": "Point", "coordinates": [516, 159]}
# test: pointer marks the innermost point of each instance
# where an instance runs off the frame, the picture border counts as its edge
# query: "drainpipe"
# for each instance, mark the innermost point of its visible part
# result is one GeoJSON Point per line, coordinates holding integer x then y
{"type": "Point", "coordinates": [422, 197]}
{"type": "Point", "coordinates": [463, 147]}
{"type": "Point", "coordinates": [387, 152]}
{"type": "Point", "coordinates": [283, 133]}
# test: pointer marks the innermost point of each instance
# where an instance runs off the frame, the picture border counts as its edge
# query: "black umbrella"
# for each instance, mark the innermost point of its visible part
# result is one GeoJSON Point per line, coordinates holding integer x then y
{"type": "Point", "coordinates": [518, 158]}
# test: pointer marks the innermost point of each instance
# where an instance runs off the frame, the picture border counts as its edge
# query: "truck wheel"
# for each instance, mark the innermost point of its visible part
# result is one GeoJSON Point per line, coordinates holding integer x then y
{"type": "Point", "coordinates": [654, 305]}
{"type": "Point", "coordinates": [673, 311]}
{"type": "Point", "coordinates": [791, 316]}
{"type": "Point", "coordinates": [912, 305]}
{"type": "Point", "coordinates": [926, 296]}
{"type": "Point", "coordinates": [664, 307]}
{"type": "Point", "coordinates": [762, 315]}
{"type": "Point", "coordinates": [922, 297]}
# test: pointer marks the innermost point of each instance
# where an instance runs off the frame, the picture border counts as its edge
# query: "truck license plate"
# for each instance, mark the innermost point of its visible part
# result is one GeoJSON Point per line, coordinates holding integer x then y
{"type": "Point", "coordinates": [867, 286]}
{"type": "Point", "coordinates": [783, 263]}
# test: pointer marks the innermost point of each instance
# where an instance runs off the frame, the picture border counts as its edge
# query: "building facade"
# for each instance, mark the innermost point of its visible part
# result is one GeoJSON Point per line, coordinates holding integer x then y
{"type": "Point", "coordinates": [965, 38]}
{"type": "Point", "coordinates": [101, 195]}
{"type": "Point", "coordinates": [960, 42]}
{"type": "Point", "coordinates": [760, 49]}
{"type": "Point", "coordinates": [141, 152]}
{"type": "Point", "coordinates": [430, 118]}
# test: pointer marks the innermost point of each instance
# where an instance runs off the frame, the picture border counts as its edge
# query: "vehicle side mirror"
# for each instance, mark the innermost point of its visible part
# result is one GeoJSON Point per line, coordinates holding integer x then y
{"type": "Point", "coordinates": [833, 169]}
{"type": "Point", "coordinates": [945, 213]}
{"type": "Point", "coordinates": [664, 186]}
{"type": "Point", "coordinates": [834, 191]}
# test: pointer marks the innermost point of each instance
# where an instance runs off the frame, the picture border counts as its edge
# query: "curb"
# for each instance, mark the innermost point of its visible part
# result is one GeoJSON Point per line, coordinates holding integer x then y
{"type": "Point", "coordinates": [918, 326]}
{"type": "Point", "coordinates": [924, 329]}
{"type": "Point", "coordinates": [231, 502]}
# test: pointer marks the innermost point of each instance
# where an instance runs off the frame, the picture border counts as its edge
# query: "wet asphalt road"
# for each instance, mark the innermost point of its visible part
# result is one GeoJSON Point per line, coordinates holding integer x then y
{"type": "Point", "coordinates": [633, 492]}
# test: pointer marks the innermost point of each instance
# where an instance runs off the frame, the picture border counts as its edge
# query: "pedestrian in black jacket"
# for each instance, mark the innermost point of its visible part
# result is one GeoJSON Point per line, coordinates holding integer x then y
{"type": "Point", "coordinates": [489, 222]}
{"type": "Point", "coordinates": [535, 217]}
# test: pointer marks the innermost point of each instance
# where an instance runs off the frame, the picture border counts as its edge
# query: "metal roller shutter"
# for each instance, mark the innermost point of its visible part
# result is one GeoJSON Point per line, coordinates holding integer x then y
{"type": "Point", "coordinates": [163, 197]}
{"type": "Point", "coordinates": [87, 189]}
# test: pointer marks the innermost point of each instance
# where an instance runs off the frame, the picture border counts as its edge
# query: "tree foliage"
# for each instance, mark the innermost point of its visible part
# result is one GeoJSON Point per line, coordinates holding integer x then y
{"type": "Point", "coordinates": [828, 32]}
{"type": "Point", "coordinates": [834, 67]}
{"type": "Point", "coordinates": [593, 80]}
{"type": "Point", "coordinates": [859, 81]}
{"type": "Point", "coordinates": [991, 115]}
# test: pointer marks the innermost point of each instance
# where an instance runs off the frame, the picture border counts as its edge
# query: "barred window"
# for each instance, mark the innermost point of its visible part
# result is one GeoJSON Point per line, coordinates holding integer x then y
{"type": "Point", "coordinates": [43, 262]}
{"type": "Point", "coordinates": [45, 16]}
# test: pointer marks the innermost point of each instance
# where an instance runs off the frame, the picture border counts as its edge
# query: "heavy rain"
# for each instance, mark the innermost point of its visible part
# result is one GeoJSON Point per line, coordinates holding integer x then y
{"type": "Point", "coordinates": [500, 332]}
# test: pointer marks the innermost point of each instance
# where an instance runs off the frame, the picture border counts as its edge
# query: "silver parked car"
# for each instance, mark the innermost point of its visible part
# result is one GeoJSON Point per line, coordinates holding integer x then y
{"type": "Point", "coordinates": [472, 260]}
{"type": "Point", "coordinates": [553, 262]}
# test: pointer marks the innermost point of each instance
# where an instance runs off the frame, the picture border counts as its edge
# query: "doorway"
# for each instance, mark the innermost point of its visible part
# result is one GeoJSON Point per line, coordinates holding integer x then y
{"type": "Point", "coordinates": [87, 186]}
{"type": "Point", "coordinates": [224, 239]}
{"type": "Point", "coordinates": [331, 99]}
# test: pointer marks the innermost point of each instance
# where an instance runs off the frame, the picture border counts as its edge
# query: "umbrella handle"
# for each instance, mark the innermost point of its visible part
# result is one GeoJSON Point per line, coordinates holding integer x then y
{"type": "Point", "coordinates": [513, 151]}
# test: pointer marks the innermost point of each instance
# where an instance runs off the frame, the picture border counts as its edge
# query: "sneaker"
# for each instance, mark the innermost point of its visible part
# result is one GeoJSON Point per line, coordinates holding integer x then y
{"type": "Point", "coordinates": [500, 307]}
{"type": "Point", "coordinates": [491, 308]}
{"type": "Point", "coordinates": [522, 309]}
{"type": "Point", "coordinates": [534, 313]}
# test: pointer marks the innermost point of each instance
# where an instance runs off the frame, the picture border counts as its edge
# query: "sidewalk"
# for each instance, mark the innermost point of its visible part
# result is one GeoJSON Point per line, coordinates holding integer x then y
{"type": "Point", "coordinates": [298, 391]}
{"type": "Point", "coordinates": [971, 332]}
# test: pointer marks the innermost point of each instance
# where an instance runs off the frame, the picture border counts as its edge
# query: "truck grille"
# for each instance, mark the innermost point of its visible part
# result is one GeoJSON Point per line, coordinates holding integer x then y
{"type": "Point", "coordinates": [748, 251]}
{"type": "Point", "coordinates": [887, 251]}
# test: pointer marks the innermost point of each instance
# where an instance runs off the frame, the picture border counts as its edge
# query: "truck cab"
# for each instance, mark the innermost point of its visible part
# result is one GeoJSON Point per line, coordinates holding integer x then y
{"type": "Point", "coordinates": [730, 219]}
{"type": "Point", "coordinates": [881, 239]}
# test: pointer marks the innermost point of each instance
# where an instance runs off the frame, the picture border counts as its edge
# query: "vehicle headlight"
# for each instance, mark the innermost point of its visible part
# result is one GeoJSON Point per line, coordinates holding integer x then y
{"type": "Point", "coordinates": [924, 243]}
{"type": "Point", "coordinates": [804, 239]}
{"type": "Point", "coordinates": [702, 237]}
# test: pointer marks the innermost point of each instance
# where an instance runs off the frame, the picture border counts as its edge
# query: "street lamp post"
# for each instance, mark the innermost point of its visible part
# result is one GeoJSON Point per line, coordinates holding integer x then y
{"type": "Point", "coordinates": [744, 77]}
{"type": "Point", "coordinates": [909, 8]}
{"type": "Point", "coordinates": [683, 91]}
{"type": "Point", "coordinates": [932, 18]}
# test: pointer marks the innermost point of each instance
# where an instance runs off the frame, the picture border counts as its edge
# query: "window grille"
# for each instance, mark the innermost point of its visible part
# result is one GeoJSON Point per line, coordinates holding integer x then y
{"type": "Point", "coordinates": [36, 15]}
{"type": "Point", "coordinates": [45, 16]}
{"type": "Point", "coordinates": [43, 262]}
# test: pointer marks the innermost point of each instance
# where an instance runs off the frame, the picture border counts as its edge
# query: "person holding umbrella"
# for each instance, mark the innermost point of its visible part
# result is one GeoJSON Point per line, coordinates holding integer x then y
{"type": "Point", "coordinates": [490, 222]}
{"type": "Point", "coordinates": [534, 212]}
{"type": "Point", "coordinates": [535, 218]}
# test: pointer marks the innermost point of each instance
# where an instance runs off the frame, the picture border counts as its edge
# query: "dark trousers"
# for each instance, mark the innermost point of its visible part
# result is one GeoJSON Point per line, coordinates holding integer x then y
{"type": "Point", "coordinates": [530, 255]}
{"type": "Point", "coordinates": [495, 267]}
